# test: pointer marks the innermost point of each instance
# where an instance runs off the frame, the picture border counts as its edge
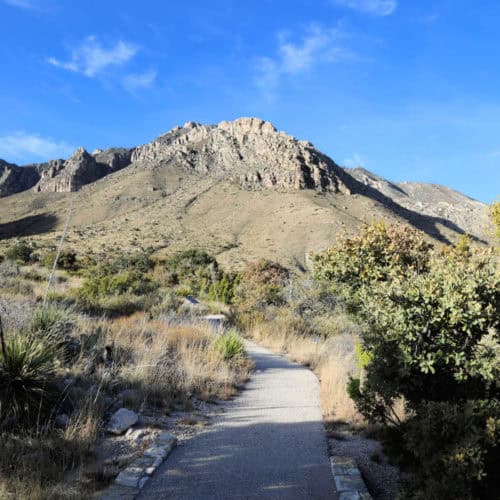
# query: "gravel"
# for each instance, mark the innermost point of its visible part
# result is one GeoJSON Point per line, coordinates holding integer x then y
{"type": "Point", "coordinates": [380, 476]}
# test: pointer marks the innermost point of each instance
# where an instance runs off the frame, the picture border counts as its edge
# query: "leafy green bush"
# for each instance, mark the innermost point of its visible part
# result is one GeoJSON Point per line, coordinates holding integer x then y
{"type": "Point", "coordinates": [127, 282]}
{"type": "Point", "coordinates": [27, 369]}
{"type": "Point", "coordinates": [20, 252]}
{"type": "Point", "coordinates": [427, 319]}
{"type": "Point", "coordinates": [380, 253]}
{"type": "Point", "coordinates": [230, 345]}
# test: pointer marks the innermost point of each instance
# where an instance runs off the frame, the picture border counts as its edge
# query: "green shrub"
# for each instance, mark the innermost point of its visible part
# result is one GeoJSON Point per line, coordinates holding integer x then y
{"type": "Point", "coordinates": [427, 320]}
{"type": "Point", "coordinates": [127, 282]}
{"type": "Point", "coordinates": [457, 447]}
{"type": "Point", "coordinates": [20, 252]}
{"type": "Point", "coordinates": [195, 270]}
{"type": "Point", "coordinates": [67, 260]}
{"type": "Point", "coordinates": [27, 370]}
{"type": "Point", "coordinates": [230, 345]}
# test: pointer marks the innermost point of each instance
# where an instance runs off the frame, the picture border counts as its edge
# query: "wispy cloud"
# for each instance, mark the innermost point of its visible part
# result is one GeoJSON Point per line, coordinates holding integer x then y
{"type": "Point", "coordinates": [318, 45]}
{"type": "Point", "coordinates": [21, 4]}
{"type": "Point", "coordinates": [356, 160]}
{"type": "Point", "coordinates": [22, 147]}
{"type": "Point", "coordinates": [373, 7]}
{"type": "Point", "coordinates": [137, 81]}
{"type": "Point", "coordinates": [91, 58]}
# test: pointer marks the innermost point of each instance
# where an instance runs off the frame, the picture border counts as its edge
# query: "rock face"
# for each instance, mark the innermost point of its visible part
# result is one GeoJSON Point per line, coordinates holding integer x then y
{"type": "Point", "coordinates": [248, 151]}
{"type": "Point", "coordinates": [14, 179]}
{"type": "Point", "coordinates": [72, 174]}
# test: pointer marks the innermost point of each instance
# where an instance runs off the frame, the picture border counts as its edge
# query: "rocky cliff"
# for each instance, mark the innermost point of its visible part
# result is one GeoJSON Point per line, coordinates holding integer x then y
{"type": "Point", "coordinates": [14, 179]}
{"type": "Point", "coordinates": [249, 151]}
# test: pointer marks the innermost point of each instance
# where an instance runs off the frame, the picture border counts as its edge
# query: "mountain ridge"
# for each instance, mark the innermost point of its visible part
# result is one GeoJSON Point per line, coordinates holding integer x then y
{"type": "Point", "coordinates": [241, 189]}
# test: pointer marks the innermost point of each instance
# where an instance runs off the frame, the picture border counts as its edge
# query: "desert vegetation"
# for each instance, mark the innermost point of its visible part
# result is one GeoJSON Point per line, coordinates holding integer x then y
{"type": "Point", "coordinates": [402, 334]}
{"type": "Point", "coordinates": [113, 335]}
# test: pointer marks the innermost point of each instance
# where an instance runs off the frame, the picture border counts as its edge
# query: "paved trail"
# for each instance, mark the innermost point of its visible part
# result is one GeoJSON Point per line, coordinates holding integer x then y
{"type": "Point", "coordinates": [269, 443]}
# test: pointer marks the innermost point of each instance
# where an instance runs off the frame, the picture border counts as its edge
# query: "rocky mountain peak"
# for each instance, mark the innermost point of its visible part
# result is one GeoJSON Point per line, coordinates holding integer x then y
{"type": "Point", "coordinates": [248, 151]}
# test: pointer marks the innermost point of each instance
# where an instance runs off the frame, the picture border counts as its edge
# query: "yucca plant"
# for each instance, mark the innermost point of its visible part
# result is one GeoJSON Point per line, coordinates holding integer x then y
{"type": "Point", "coordinates": [230, 345]}
{"type": "Point", "coordinates": [51, 321]}
{"type": "Point", "coordinates": [27, 369]}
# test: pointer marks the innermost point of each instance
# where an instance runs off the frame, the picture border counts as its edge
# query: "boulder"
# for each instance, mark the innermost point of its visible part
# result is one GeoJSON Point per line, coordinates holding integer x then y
{"type": "Point", "coordinates": [121, 420]}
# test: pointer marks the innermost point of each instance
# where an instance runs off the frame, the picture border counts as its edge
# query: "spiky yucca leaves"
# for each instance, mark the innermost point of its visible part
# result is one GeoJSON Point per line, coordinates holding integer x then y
{"type": "Point", "coordinates": [27, 369]}
{"type": "Point", "coordinates": [230, 345]}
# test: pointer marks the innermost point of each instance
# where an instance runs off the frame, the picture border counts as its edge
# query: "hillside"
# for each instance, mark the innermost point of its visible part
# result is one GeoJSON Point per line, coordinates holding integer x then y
{"type": "Point", "coordinates": [241, 190]}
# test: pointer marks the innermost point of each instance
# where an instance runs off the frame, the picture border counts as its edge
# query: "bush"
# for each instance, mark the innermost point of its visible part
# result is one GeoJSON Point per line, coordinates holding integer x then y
{"type": "Point", "coordinates": [457, 448]}
{"type": "Point", "coordinates": [20, 252]}
{"type": "Point", "coordinates": [427, 320]}
{"type": "Point", "coordinates": [27, 370]}
{"type": "Point", "coordinates": [261, 285]}
{"type": "Point", "coordinates": [230, 345]}
{"type": "Point", "coordinates": [127, 282]}
{"type": "Point", "coordinates": [67, 260]}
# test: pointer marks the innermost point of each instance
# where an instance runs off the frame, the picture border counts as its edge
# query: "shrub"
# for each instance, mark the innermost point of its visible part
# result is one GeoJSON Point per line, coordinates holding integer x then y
{"type": "Point", "coordinates": [20, 252]}
{"type": "Point", "coordinates": [51, 321]}
{"type": "Point", "coordinates": [429, 318]}
{"type": "Point", "coordinates": [230, 345]}
{"type": "Point", "coordinates": [261, 284]}
{"type": "Point", "coordinates": [67, 260]}
{"type": "Point", "coordinates": [195, 270]}
{"type": "Point", "coordinates": [380, 253]}
{"type": "Point", "coordinates": [127, 282]}
{"type": "Point", "coordinates": [27, 369]}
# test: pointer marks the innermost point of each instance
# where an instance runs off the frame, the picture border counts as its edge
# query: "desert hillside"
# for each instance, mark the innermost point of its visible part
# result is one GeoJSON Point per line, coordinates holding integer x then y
{"type": "Point", "coordinates": [241, 190]}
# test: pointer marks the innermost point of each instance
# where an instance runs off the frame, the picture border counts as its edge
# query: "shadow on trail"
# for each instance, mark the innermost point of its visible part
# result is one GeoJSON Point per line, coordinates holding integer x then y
{"type": "Point", "coordinates": [269, 461]}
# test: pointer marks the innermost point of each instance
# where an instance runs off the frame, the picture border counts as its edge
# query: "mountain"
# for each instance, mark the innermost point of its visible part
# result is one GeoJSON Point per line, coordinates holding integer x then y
{"type": "Point", "coordinates": [240, 189]}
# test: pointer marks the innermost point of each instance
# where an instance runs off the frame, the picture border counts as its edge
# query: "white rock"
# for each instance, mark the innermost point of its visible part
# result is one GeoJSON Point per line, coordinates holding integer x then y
{"type": "Point", "coordinates": [122, 420]}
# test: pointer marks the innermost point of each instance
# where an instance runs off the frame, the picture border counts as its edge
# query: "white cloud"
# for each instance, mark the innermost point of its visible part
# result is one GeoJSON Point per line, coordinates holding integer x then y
{"type": "Point", "coordinates": [91, 58]}
{"type": "Point", "coordinates": [22, 4]}
{"type": "Point", "coordinates": [373, 7]}
{"type": "Point", "coordinates": [356, 160]}
{"type": "Point", "coordinates": [135, 81]}
{"type": "Point", "coordinates": [22, 147]}
{"type": "Point", "coordinates": [319, 45]}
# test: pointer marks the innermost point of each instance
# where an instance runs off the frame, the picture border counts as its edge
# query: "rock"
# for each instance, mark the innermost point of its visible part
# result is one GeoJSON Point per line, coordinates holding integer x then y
{"type": "Point", "coordinates": [14, 179]}
{"type": "Point", "coordinates": [129, 477]}
{"type": "Point", "coordinates": [62, 421]}
{"type": "Point", "coordinates": [121, 420]}
{"type": "Point", "coordinates": [248, 151]}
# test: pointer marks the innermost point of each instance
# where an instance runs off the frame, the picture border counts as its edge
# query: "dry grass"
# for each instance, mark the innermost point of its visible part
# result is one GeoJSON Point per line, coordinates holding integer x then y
{"type": "Point", "coordinates": [161, 364]}
{"type": "Point", "coordinates": [332, 359]}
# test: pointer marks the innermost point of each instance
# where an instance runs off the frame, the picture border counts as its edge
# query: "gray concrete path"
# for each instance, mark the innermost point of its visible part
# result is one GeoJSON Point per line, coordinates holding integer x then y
{"type": "Point", "coordinates": [269, 443]}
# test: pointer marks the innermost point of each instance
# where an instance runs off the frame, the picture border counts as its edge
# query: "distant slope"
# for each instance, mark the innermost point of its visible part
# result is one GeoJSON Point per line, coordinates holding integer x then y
{"type": "Point", "coordinates": [431, 199]}
{"type": "Point", "coordinates": [241, 190]}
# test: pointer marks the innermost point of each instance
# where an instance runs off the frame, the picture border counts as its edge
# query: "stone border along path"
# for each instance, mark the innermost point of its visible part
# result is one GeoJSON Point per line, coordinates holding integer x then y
{"type": "Point", "coordinates": [348, 479]}
{"type": "Point", "coordinates": [270, 442]}
{"type": "Point", "coordinates": [132, 479]}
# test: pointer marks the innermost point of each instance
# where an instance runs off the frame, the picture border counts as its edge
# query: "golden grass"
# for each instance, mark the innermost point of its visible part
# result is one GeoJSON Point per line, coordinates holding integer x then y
{"type": "Point", "coordinates": [163, 364]}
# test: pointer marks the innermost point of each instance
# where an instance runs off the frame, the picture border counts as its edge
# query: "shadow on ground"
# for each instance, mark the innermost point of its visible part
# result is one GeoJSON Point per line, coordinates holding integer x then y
{"type": "Point", "coordinates": [29, 226]}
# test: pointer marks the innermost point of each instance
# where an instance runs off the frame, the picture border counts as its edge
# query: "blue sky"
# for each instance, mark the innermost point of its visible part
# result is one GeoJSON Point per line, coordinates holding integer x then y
{"type": "Point", "coordinates": [409, 89]}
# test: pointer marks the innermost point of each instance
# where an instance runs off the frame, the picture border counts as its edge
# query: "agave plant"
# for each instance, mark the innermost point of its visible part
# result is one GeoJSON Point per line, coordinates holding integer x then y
{"type": "Point", "coordinates": [27, 369]}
